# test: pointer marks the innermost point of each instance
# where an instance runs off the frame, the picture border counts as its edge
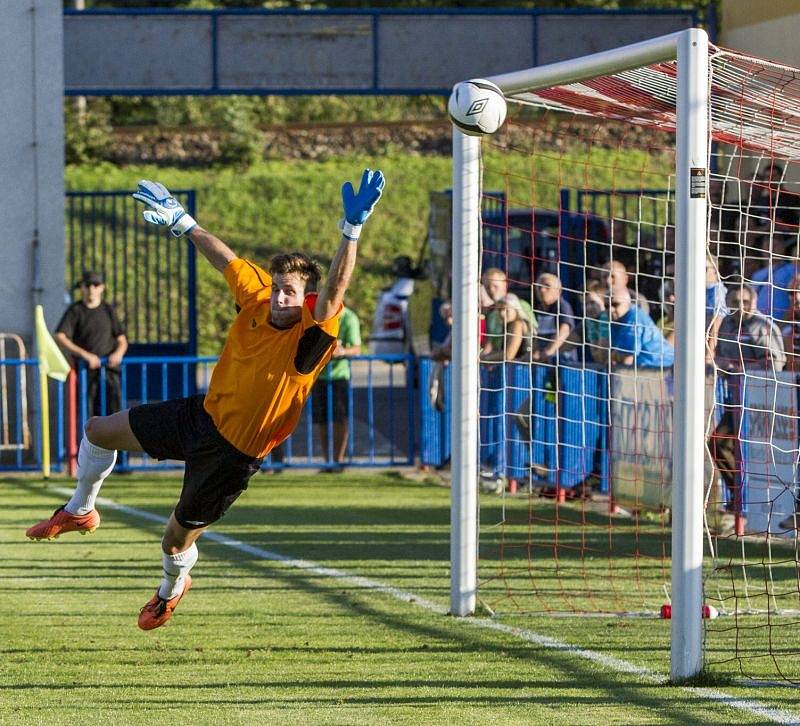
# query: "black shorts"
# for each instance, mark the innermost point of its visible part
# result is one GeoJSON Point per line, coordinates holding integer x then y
{"type": "Point", "coordinates": [216, 472]}
{"type": "Point", "coordinates": [319, 401]}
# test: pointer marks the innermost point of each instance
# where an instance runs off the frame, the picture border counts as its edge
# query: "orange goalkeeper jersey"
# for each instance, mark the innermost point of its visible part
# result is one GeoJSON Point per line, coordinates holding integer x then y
{"type": "Point", "coordinates": [265, 374]}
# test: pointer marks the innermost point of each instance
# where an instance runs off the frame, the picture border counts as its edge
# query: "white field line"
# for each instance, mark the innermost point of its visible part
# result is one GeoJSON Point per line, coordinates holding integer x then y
{"type": "Point", "coordinates": [621, 666]}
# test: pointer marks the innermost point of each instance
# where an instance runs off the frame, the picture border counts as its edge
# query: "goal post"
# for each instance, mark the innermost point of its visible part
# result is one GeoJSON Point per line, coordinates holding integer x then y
{"type": "Point", "coordinates": [464, 455]}
{"type": "Point", "coordinates": [691, 187]}
{"type": "Point", "coordinates": [690, 49]}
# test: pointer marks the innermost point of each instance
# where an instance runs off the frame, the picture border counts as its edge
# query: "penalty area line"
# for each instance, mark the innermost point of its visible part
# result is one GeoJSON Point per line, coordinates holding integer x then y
{"type": "Point", "coordinates": [621, 666]}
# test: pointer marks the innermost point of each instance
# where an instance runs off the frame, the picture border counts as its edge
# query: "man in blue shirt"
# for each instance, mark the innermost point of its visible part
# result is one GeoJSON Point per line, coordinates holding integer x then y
{"type": "Point", "coordinates": [773, 283]}
{"type": "Point", "coordinates": [635, 338]}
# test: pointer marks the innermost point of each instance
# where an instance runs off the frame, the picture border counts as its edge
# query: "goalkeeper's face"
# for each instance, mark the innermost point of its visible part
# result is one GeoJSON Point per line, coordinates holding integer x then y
{"type": "Point", "coordinates": [286, 301]}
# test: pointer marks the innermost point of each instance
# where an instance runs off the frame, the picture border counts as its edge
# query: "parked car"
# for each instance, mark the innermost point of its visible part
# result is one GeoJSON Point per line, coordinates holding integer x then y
{"type": "Point", "coordinates": [522, 242]}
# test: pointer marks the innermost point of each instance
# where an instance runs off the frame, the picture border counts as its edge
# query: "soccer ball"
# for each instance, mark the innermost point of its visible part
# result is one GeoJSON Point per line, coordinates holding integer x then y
{"type": "Point", "coordinates": [477, 107]}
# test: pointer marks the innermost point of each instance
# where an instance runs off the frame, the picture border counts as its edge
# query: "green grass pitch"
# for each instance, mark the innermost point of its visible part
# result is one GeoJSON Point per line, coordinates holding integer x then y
{"type": "Point", "coordinates": [258, 641]}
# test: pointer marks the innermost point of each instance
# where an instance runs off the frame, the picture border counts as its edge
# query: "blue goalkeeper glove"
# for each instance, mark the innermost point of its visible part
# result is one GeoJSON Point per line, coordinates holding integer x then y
{"type": "Point", "coordinates": [358, 206]}
{"type": "Point", "coordinates": [164, 208]}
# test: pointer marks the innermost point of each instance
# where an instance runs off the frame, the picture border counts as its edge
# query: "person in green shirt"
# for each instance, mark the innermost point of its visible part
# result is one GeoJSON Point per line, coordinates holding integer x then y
{"type": "Point", "coordinates": [334, 385]}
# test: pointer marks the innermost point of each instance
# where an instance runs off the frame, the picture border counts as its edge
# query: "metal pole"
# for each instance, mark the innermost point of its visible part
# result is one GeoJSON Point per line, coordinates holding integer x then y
{"type": "Point", "coordinates": [464, 421]}
{"type": "Point", "coordinates": [688, 414]}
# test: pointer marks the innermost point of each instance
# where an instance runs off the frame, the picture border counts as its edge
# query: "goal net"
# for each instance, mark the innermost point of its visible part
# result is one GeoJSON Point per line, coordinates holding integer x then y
{"type": "Point", "coordinates": [637, 442]}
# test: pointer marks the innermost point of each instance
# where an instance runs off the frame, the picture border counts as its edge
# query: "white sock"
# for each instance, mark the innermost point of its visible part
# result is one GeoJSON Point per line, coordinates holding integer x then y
{"type": "Point", "coordinates": [94, 465]}
{"type": "Point", "coordinates": [176, 567]}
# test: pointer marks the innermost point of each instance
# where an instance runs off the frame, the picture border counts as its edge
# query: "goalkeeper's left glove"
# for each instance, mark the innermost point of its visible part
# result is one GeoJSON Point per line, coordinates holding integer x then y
{"type": "Point", "coordinates": [164, 208]}
{"type": "Point", "coordinates": [358, 206]}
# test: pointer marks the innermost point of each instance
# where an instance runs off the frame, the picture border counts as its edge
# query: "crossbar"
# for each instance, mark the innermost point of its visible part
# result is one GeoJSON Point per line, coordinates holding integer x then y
{"type": "Point", "coordinates": [616, 60]}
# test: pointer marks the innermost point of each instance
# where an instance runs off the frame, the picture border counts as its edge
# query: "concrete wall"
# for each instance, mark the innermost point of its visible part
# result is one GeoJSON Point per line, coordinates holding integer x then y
{"type": "Point", "coordinates": [31, 162]}
{"type": "Point", "coordinates": [766, 28]}
{"type": "Point", "coordinates": [286, 51]}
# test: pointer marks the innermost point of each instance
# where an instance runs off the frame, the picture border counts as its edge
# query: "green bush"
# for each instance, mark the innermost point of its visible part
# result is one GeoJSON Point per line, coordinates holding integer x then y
{"type": "Point", "coordinates": [87, 133]}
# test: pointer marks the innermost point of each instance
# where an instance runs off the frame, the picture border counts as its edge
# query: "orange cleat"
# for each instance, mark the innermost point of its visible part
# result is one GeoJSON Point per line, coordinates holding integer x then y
{"type": "Point", "coordinates": [62, 521]}
{"type": "Point", "coordinates": [158, 611]}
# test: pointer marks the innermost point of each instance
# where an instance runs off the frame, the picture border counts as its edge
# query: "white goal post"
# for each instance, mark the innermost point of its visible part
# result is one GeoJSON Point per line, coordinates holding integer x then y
{"type": "Point", "coordinates": [691, 50]}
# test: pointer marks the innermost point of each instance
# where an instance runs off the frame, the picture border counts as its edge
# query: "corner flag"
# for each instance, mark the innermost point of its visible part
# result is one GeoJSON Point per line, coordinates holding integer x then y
{"type": "Point", "coordinates": [51, 360]}
{"type": "Point", "coordinates": [51, 363]}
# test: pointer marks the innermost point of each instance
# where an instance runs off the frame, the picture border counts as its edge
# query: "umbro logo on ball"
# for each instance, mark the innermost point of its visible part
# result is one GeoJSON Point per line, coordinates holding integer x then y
{"type": "Point", "coordinates": [477, 106]}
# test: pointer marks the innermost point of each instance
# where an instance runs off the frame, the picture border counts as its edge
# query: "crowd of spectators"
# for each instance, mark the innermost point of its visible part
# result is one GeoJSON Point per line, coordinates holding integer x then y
{"type": "Point", "coordinates": [752, 315]}
{"type": "Point", "coordinates": [615, 325]}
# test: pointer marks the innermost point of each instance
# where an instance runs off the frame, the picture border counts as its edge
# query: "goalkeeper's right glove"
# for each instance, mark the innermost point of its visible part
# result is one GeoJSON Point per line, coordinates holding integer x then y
{"type": "Point", "coordinates": [164, 208]}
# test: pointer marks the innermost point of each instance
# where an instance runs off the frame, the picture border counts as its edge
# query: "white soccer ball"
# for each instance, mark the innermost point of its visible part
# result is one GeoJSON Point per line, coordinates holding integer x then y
{"type": "Point", "coordinates": [477, 107]}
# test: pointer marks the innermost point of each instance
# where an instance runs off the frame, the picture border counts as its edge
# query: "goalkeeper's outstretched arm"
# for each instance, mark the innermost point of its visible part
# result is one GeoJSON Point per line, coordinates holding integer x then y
{"type": "Point", "coordinates": [164, 209]}
{"type": "Point", "coordinates": [212, 248]}
{"type": "Point", "coordinates": [357, 207]}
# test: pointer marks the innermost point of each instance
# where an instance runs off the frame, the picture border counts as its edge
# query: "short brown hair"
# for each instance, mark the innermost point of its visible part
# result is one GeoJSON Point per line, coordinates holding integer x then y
{"type": "Point", "coordinates": [299, 264]}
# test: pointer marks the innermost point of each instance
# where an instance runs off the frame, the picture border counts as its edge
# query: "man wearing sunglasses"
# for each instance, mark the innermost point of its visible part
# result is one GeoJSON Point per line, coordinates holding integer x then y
{"type": "Point", "coordinates": [90, 331]}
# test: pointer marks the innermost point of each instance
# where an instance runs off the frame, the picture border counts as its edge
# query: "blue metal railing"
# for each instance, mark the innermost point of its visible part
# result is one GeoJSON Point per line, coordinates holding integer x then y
{"type": "Point", "coordinates": [392, 420]}
{"type": "Point", "coordinates": [381, 412]}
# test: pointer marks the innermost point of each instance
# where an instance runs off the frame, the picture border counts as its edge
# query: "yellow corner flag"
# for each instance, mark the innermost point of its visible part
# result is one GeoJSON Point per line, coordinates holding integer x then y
{"type": "Point", "coordinates": [51, 360]}
{"type": "Point", "coordinates": [51, 363]}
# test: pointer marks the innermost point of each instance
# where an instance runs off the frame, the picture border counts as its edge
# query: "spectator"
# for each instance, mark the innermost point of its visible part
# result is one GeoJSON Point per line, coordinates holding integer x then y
{"type": "Point", "coordinates": [716, 293]}
{"type": "Point", "coordinates": [772, 281]}
{"type": "Point", "coordinates": [334, 384]}
{"type": "Point", "coordinates": [770, 203]}
{"type": "Point", "coordinates": [493, 290]}
{"type": "Point", "coordinates": [617, 279]}
{"type": "Point", "coordinates": [391, 325]}
{"type": "Point", "coordinates": [441, 353]}
{"type": "Point", "coordinates": [517, 331]}
{"type": "Point", "coordinates": [753, 251]}
{"type": "Point", "coordinates": [791, 345]}
{"type": "Point", "coordinates": [90, 330]}
{"type": "Point", "coordinates": [596, 333]}
{"type": "Point", "coordinates": [635, 339]}
{"type": "Point", "coordinates": [666, 323]}
{"type": "Point", "coordinates": [791, 330]}
{"type": "Point", "coordinates": [747, 341]}
{"type": "Point", "coordinates": [556, 321]}
{"type": "Point", "coordinates": [762, 193]}
{"type": "Point", "coordinates": [716, 309]}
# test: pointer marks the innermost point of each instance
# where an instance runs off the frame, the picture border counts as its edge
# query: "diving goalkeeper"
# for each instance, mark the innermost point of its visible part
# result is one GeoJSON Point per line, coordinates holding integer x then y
{"type": "Point", "coordinates": [281, 339]}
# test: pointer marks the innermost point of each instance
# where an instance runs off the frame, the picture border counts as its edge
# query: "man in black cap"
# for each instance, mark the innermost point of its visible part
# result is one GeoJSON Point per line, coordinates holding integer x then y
{"type": "Point", "coordinates": [90, 330]}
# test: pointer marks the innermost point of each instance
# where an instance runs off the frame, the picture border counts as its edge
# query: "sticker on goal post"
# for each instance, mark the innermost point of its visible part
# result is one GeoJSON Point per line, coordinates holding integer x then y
{"type": "Point", "coordinates": [697, 183]}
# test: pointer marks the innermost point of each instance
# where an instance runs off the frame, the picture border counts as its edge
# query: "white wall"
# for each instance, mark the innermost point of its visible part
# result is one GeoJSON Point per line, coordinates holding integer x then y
{"type": "Point", "coordinates": [766, 28]}
{"type": "Point", "coordinates": [31, 162]}
{"type": "Point", "coordinates": [774, 39]}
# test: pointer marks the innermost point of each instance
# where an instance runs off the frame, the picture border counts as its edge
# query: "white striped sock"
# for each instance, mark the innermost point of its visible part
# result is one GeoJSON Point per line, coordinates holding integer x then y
{"type": "Point", "coordinates": [176, 567]}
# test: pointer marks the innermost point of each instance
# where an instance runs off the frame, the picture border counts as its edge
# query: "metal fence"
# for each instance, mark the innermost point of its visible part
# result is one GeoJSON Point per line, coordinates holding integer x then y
{"type": "Point", "coordinates": [572, 427]}
{"type": "Point", "coordinates": [381, 418]}
{"type": "Point", "coordinates": [150, 275]}
{"type": "Point", "coordinates": [395, 419]}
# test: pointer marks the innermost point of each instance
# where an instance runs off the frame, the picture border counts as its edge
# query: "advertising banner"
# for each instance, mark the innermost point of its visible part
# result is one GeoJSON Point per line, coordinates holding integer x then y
{"type": "Point", "coordinates": [769, 446]}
